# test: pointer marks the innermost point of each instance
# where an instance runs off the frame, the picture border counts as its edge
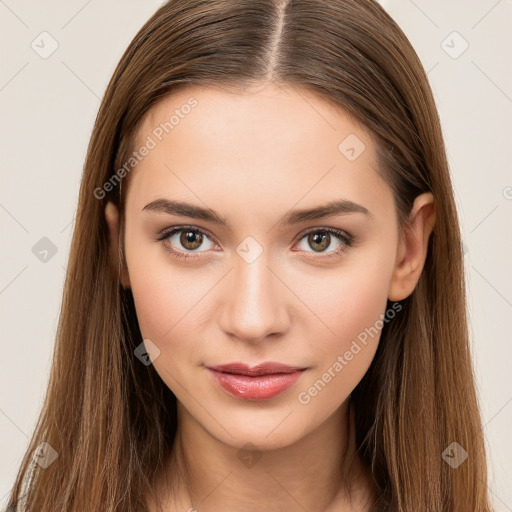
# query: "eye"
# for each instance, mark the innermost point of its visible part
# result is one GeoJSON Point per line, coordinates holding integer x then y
{"type": "Point", "coordinates": [183, 240]}
{"type": "Point", "coordinates": [321, 239]}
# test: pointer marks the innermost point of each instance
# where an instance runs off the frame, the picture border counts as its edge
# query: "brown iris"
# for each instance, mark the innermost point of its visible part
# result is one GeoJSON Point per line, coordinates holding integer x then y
{"type": "Point", "coordinates": [191, 239]}
{"type": "Point", "coordinates": [319, 237]}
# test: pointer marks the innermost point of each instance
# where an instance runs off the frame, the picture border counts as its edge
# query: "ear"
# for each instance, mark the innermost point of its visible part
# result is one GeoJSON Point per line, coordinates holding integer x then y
{"type": "Point", "coordinates": [412, 248]}
{"type": "Point", "coordinates": [112, 217]}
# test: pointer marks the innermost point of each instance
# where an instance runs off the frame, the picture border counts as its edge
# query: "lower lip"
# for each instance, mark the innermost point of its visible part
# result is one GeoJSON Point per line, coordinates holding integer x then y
{"type": "Point", "coordinates": [258, 388]}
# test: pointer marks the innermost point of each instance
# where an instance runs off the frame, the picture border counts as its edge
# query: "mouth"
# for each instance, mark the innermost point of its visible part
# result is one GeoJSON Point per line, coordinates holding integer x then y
{"type": "Point", "coordinates": [261, 382]}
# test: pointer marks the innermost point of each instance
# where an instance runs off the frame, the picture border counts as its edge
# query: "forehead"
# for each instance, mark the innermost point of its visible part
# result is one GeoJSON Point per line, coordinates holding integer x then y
{"type": "Point", "coordinates": [266, 142]}
{"type": "Point", "coordinates": [269, 114]}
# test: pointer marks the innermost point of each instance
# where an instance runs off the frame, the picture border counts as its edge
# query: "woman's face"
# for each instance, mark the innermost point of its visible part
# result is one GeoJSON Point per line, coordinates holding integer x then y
{"type": "Point", "coordinates": [271, 282]}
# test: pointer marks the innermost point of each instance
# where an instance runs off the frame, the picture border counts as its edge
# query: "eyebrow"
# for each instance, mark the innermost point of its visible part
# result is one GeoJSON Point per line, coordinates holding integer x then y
{"type": "Point", "coordinates": [337, 207]}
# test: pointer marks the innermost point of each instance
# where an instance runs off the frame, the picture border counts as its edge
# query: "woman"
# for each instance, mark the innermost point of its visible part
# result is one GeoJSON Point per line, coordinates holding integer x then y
{"type": "Point", "coordinates": [264, 307]}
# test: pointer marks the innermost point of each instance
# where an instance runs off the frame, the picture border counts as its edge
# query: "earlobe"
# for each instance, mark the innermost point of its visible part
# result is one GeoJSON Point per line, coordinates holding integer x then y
{"type": "Point", "coordinates": [412, 249]}
{"type": "Point", "coordinates": [112, 218]}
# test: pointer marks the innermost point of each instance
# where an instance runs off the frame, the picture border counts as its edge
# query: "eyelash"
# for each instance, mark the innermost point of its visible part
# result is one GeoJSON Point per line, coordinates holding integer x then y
{"type": "Point", "coordinates": [347, 239]}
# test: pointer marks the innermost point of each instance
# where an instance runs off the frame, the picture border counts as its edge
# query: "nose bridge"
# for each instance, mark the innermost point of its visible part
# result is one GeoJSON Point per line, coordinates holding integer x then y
{"type": "Point", "coordinates": [255, 306]}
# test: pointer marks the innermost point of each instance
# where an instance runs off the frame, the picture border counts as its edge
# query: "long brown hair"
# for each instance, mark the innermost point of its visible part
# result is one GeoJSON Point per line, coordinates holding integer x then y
{"type": "Point", "coordinates": [111, 419]}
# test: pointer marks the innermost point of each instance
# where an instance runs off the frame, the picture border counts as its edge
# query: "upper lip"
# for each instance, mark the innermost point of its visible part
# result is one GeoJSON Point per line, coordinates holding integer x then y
{"type": "Point", "coordinates": [266, 368]}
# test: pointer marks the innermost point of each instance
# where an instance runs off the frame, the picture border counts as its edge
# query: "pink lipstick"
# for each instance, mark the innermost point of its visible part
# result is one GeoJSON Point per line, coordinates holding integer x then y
{"type": "Point", "coordinates": [260, 382]}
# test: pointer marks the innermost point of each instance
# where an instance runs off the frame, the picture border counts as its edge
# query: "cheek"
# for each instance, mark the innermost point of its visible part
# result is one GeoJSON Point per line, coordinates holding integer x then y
{"type": "Point", "coordinates": [169, 303]}
{"type": "Point", "coordinates": [362, 299]}
{"type": "Point", "coordinates": [350, 302]}
{"type": "Point", "coordinates": [162, 294]}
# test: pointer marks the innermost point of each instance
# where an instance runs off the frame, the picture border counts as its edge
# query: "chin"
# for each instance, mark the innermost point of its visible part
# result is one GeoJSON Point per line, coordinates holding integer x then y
{"type": "Point", "coordinates": [262, 429]}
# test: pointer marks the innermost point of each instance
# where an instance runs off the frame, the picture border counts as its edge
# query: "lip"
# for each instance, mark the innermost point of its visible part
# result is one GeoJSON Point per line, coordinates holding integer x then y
{"type": "Point", "coordinates": [260, 382]}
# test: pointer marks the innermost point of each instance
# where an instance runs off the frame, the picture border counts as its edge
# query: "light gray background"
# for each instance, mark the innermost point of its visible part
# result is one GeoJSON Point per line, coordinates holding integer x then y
{"type": "Point", "coordinates": [48, 107]}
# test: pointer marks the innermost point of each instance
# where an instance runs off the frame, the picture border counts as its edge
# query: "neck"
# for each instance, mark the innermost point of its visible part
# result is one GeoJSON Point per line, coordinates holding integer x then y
{"type": "Point", "coordinates": [319, 472]}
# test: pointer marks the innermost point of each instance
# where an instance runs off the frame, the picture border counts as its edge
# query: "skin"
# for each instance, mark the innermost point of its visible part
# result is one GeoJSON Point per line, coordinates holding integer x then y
{"type": "Point", "coordinates": [252, 157]}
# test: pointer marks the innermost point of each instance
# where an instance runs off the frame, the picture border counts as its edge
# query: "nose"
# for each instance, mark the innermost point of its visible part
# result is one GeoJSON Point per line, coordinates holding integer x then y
{"type": "Point", "coordinates": [255, 305]}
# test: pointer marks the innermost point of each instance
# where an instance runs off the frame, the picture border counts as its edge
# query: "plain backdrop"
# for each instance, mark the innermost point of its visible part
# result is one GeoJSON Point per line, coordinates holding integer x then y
{"type": "Point", "coordinates": [49, 96]}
